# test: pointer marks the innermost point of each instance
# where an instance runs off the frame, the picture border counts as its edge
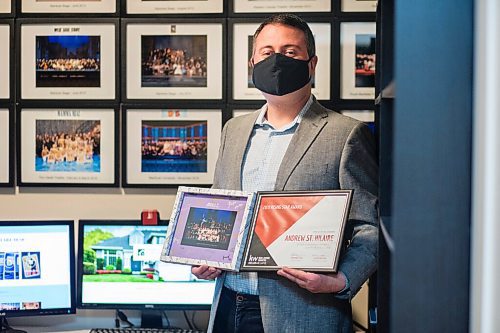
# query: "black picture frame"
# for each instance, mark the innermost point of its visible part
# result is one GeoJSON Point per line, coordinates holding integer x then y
{"type": "Point", "coordinates": [239, 36]}
{"type": "Point", "coordinates": [8, 8]}
{"type": "Point", "coordinates": [162, 169]}
{"type": "Point", "coordinates": [209, 87]}
{"type": "Point", "coordinates": [83, 126]}
{"type": "Point", "coordinates": [74, 8]}
{"type": "Point", "coordinates": [209, 8]}
{"type": "Point", "coordinates": [7, 145]}
{"type": "Point", "coordinates": [42, 87]}
{"type": "Point", "coordinates": [7, 60]}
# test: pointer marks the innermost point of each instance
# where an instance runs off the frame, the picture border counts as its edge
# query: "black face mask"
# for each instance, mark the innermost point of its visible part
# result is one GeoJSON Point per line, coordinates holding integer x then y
{"type": "Point", "coordinates": [280, 75]}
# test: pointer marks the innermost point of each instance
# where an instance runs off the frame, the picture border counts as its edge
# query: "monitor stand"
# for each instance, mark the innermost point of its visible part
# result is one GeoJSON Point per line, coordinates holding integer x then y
{"type": "Point", "coordinates": [151, 319]}
{"type": "Point", "coordinates": [5, 328]}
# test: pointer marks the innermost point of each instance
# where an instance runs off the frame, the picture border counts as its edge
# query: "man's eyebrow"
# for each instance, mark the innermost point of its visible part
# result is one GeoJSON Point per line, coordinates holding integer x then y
{"type": "Point", "coordinates": [284, 46]}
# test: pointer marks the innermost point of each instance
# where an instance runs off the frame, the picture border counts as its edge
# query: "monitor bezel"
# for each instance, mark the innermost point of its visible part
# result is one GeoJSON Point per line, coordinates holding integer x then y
{"type": "Point", "coordinates": [56, 311]}
{"type": "Point", "coordinates": [130, 306]}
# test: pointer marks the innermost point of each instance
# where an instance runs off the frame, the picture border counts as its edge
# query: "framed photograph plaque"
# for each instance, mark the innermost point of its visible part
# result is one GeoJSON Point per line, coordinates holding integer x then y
{"type": "Point", "coordinates": [67, 147]}
{"type": "Point", "coordinates": [173, 61]}
{"type": "Point", "coordinates": [174, 7]}
{"type": "Point", "coordinates": [242, 39]}
{"type": "Point", "coordinates": [357, 47]}
{"type": "Point", "coordinates": [6, 60]}
{"type": "Point", "coordinates": [68, 61]}
{"type": "Point", "coordinates": [170, 147]}
{"type": "Point", "coordinates": [6, 147]}
{"type": "Point", "coordinates": [280, 6]}
{"type": "Point", "coordinates": [302, 229]}
{"type": "Point", "coordinates": [68, 6]}
{"type": "Point", "coordinates": [208, 227]}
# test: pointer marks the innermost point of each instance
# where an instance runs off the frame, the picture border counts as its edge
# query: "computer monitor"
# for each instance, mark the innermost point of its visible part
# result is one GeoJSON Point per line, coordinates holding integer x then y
{"type": "Point", "coordinates": [37, 268]}
{"type": "Point", "coordinates": [119, 267]}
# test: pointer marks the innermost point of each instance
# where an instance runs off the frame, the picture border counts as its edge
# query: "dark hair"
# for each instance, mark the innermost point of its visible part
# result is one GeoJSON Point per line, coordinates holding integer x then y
{"type": "Point", "coordinates": [292, 21]}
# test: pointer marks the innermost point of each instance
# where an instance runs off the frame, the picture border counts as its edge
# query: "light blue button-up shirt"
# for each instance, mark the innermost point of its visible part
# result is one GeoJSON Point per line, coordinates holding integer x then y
{"type": "Point", "coordinates": [261, 162]}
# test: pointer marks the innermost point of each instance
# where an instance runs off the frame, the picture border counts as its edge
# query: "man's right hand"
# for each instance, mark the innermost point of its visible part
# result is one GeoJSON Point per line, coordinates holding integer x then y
{"type": "Point", "coordinates": [205, 272]}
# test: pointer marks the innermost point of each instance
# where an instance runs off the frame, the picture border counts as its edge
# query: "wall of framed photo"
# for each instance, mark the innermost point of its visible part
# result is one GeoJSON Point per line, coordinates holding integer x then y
{"type": "Point", "coordinates": [109, 106]}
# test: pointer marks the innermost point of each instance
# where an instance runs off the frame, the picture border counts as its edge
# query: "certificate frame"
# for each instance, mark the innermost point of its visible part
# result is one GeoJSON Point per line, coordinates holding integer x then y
{"type": "Point", "coordinates": [165, 7]}
{"type": "Point", "coordinates": [159, 80]}
{"type": "Point", "coordinates": [7, 8]}
{"type": "Point", "coordinates": [7, 134]}
{"type": "Point", "coordinates": [37, 8]}
{"type": "Point", "coordinates": [208, 227]}
{"type": "Point", "coordinates": [240, 38]}
{"type": "Point", "coordinates": [43, 79]}
{"type": "Point", "coordinates": [160, 132]}
{"type": "Point", "coordinates": [7, 60]}
{"type": "Point", "coordinates": [297, 229]}
{"type": "Point", "coordinates": [357, 37]}
{"type": "Point", "coordinates": [245, 7]}
{"type": "Point", "coordinates": [89, 157]}
{"type": "Point", "coordinates": [357, 6]}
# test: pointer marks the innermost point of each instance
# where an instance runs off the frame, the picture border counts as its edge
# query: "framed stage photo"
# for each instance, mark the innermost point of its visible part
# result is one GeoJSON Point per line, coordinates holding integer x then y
{"type": "Point", "coordinates": [68, 147]}
{"type": "Point", "coordinates": [68, 6]}
{"type": "Point", "coordinates": [6, 60]}
{"type": "Point", "coordinates": [6, 147]}
{"type": "Point", "coordinates": [174, 7]}
{"type": "Point", "coordinates": [208, 227]}
{"type": "Point", "coordinates": [68, 61]}
{"type": "Point", "coordinates": [302, 229]}
{"type": "Point", "coordinates": [358, 5]}
{"type": "Point", "coordinates": [241, 35]}
{"type": "Point", "coordinates": [279, 6]}
{"type": "Point", "coordinates": [357, 47]}
{"type": "Point", "coordinates": [170, 147]}
{"type": "Point", "coordinates": [173, 61]}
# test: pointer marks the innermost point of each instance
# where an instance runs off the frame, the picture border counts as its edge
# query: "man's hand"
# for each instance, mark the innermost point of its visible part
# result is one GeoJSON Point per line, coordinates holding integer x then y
{"type": "Point", "coordinates": [205, 272]}
{"type": "Point", "coordinates": [315, 283]}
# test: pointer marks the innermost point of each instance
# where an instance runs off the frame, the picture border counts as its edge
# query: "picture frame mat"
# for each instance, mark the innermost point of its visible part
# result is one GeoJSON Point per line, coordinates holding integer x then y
{"type": "Point", "coordinates": [278, 6]}
{"type": "Point", "coordinates": [5, 61]}
{"type": "Point", "coordinates": [96, 6]}
{"type": "Point", "coordinates": [108, 52]}
{"type": "Point", "coordinates": [5, 163]}
{"type": "Point", "coordinates": [358, 5]}
{"type": "Point", "coordinates": [5, 7]}
{"type": "Point", "coordinates": [134, 117]}
{"type": "Point", "coordinates": [28, 173]}
{"type": "Point", "coordinates": [174, 7]}
{"type": "Point", "coordinates": [214, 33]}
{"type": "Point", "coordinates": [367, 116]}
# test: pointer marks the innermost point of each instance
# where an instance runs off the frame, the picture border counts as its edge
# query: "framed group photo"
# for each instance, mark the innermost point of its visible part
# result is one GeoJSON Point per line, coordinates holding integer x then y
{"type": "Point", "coordinates": [170, 147]}
{"type": "Point", "coordinates": [358, 5]}
{"type": "Point", "coordinates": [173, 61]}
{"type": "Point", "coordinates": [69, 7]}
{"type": "Point", "coordinates": [68, 147]}
{"type": "Point", "coordinates": [279, 6]}
{"type": "Point", "coordinates": [6, 60]}
{"type": "Point", "coordinates": [6, 147]}
{"type": "Point", "coordinates": [241, 37]}
{"type": "Point", "coordinates": [68, 59]}
{"type": "Point", "coordinates": [208, 227]}
{"type": "Point", "coordinates": [357, 60]}
{"type": "Point", "coordinates": [157, 7]}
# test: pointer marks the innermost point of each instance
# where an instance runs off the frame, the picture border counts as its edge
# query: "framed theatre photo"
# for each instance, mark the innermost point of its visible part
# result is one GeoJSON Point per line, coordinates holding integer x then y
{"type": "Point", "coordinates": [68, 6]}
{"type": "Point", "coordinates": [6, 147]}
{"type": "Point", "coordinates": [68, 147]}
{"type": "Point", "coordinates": [279, 6]}
{"type": "Point", "coordinates": [174, 61]}
{"type": "Point", "coordinates": [358, 5]}
{"type": "Point", "coordinates": [170, 147]}
{"type": "Point", "coordinates": [6, 61]}
{"type": "Point", "coordinates": [357, 47]}
{"type": "Point", "coordinates": [297, 229]}
{"type": "Point", "coordinates": [174, 7]}
{"type": "Point", "coordinates": [68, 59]}
{"type": "Point", "coordinates": [241, 35]}
{"type": "Point", "coordinates": [208, 227]}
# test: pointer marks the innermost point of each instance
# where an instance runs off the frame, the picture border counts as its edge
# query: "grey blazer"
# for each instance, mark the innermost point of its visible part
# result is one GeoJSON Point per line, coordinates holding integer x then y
{"type": "Point", "coordinates": [328, 151]}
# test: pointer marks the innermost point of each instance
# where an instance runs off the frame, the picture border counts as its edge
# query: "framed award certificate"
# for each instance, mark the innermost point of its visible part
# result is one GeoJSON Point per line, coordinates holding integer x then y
{"type": "Point", "coordinates": [208, 227]}
{"type": "Point", "coordinates": [299, 229]}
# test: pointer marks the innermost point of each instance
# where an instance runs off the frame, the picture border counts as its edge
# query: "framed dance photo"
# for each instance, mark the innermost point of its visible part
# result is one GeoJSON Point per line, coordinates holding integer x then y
{"type": "Point", "coordinates": [156, 7]}
{"type": "Point", "coordinates": [241, 37]}
{"type": "Point", "coordinates": [279, 6]}
{"type": "Point", "coordinates": [69, 7]}
{"type": "Point", "coordinates": [208, 227]}
{"type": "Point", "coordinates": [68, 147]}
{"type": "Point", "coordinates": [173, 61]}
{"type": "Point", "coordinates": [6, 60]}
{"type": "Point", "coordinates": [170, 147]}
{"type": "Point", "coordinates": [357, 47]}
{"type": "Point", "coordinates": [6, 147]}
{"type": "Point", "coordinates": [358, 5]}
{"type": "Point", "coordinates": [68, 59]}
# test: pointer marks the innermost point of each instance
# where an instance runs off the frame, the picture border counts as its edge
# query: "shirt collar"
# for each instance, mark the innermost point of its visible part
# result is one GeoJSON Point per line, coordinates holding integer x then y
{"type": "Point", "coordinates": [261, 119]}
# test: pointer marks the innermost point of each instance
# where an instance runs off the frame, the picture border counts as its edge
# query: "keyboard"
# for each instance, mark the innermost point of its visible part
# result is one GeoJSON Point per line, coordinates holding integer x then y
{"type": "Point", "coordinates": [144, 330]}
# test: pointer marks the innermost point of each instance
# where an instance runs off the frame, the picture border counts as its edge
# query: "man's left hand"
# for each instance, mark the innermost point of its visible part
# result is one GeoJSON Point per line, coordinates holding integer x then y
{"type": "Point", "coordinates": [315, 283]}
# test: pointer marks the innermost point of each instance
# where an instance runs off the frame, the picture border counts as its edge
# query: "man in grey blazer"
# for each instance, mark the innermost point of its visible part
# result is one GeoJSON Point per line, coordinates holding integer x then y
{"type": "Point", "coordinates": [293, 143]}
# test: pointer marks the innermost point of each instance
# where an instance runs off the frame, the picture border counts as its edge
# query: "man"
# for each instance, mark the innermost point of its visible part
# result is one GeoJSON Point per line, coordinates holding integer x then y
{"type": "Point", "coordinates": [293, 143]}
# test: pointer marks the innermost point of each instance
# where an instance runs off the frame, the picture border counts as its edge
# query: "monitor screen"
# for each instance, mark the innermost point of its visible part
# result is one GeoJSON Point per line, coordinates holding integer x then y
{"type": "Point", "coordinates": [119, 267]}
{"type": "Point", "coordinates": [37, 268]}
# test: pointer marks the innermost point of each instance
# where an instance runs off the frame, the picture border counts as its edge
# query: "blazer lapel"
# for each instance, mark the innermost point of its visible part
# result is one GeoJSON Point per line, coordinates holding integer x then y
{"type": "Point", "coordinates": [310, 126]}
